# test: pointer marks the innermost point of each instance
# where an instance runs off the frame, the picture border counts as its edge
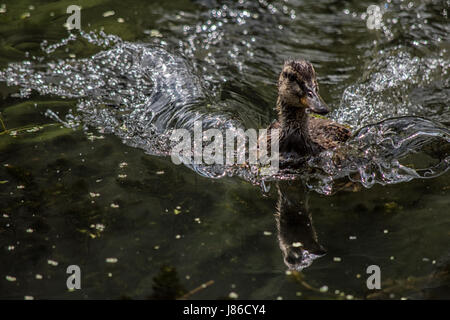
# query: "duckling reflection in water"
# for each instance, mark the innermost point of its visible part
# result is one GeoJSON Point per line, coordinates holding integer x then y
{"type": "Point", "coordinates": [300, 133]}
{"type": "Point", "coordinates": [296, 234]}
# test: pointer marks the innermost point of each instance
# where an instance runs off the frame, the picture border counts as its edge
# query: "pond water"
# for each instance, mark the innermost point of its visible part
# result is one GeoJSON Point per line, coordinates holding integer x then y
{"type": "Point", "coordinates": [86, 176]}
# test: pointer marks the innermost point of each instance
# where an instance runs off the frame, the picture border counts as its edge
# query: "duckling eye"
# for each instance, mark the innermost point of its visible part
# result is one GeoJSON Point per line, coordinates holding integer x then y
{"type": "Point", "coordinates": [290, 76]}
{"type": "Point", "coordinates": [310, 93]}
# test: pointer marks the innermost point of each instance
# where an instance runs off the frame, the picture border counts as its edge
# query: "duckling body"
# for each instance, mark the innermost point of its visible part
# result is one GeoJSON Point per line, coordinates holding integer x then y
{"type": "Point", "coordinates": [301, 134]}
{"type": "Point", "coordinates": [323, 134]}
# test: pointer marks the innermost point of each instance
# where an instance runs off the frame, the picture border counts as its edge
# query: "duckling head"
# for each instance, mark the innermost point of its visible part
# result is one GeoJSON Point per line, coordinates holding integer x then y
{"type": "Point", "coordinates": [298, 87]}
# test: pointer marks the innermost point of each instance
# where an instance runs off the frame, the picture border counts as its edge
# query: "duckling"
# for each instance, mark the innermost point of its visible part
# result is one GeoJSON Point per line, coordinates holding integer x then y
{"type": "Point", "coordinates": [300, 133]}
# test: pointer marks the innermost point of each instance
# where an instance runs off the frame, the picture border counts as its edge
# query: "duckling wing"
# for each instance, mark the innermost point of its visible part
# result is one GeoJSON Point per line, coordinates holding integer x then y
{"type": "Point", "coordinates": [326, 133]}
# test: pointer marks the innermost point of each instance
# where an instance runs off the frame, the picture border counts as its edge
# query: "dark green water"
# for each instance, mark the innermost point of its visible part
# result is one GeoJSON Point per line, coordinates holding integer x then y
{"type": "Point", "coordinates": [95, 189]}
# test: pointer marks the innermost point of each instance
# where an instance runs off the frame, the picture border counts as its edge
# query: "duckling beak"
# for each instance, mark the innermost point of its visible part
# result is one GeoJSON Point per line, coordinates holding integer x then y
{"type": "Point", "coordinates": [316, 104]}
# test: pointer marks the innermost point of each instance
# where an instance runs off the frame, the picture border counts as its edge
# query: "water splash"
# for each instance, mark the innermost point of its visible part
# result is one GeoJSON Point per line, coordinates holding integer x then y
{"type": "Point", "coordinates": [141, 92]}
{"type": "Point", "coordinates": [395, 84]}
{"type": "Point", "coordinates": [392, 151]}
{"type": "Point", "coordinates": [135, 91]}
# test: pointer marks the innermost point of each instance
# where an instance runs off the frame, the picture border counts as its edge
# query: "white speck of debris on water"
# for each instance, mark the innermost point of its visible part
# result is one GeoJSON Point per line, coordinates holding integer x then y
{"type": "Point", "coordinates": [349, 297]}
{"type": "Point", "coordinates": [28, 298]}
{"type": "Point", "coordinates": [267, 233]}
{"type": "Point", "coordinates": [386, 231]}
{"type": "Point", "coordinates": [25, 15]}
{"type": "Point", "coordinates": [114, 206]}
{"type": "Point", "coordinates": [156, 247]}
{"type": "Point", "coordinates": [159, 172]}
{"type": "Point", "coordinates": [233, 295]}
{"type": "Point", "coordinates": [111, 260]}
{"type": "Point", "coordinates": [279, 298]}
{"type": "Point", "coordinates": [122, 176]}
{"type": "Point", "coordinates": [337, 259]}
{"type": "Point", "coordinates": [94, 195]}
{"type": "Point", "coordinates": [153, 33]}
{"type": "Point", "coordinates": [90, 137]}
{"type": "Point", "coordinates": [123, 165]}
{"type": "Point", "coordinates": [323, 289]}
{"type": "Point", "coordinates": [297, 244]}
{"type": "Point", "coordinates": [177, 236]}
{"type": "Point", "coordinates": [52, 262]}
{"type": "Point", "coordinates": [29, 230]}
{"type": "Point", "coordinates": [99, 226]}
{"type": "Point", "coordinates": [11, 278]}
{"type": "Point", "coordinates": [288, 272]}
{"type": "Point", "coordinates": [108, 13]}
{"type": "Point", "coordinates": [392, 257]}
{"type": "Point", "coordinates": [120, 20]}
{"type": "Point", "coordinates": [352, 237]}
{"type": "Point", "coordinates": [38, 276]}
